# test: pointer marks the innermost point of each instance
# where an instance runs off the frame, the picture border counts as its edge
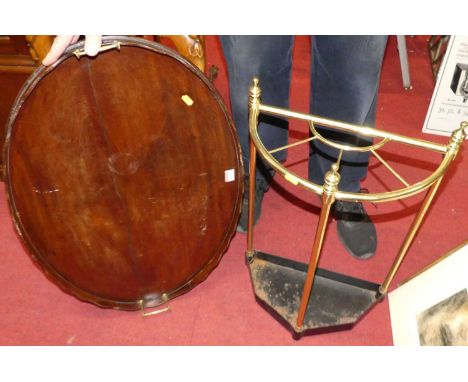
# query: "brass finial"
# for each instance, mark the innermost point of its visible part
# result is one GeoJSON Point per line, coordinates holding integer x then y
{"type": "Point", "coordinates": [332, 178]}
{"type": "Point", "coordinates": [458, 136]}
{"type": "Point", "coordinates": [254, 92]}
{"type": "Point", "coordinates": [463, 125]}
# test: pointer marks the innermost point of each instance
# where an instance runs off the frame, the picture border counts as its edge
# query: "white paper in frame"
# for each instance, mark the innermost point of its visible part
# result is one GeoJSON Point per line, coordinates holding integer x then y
{"type": "Point", "coordinates": [432, 307]}
{"type": "Point", "coordinates": [449, 103]}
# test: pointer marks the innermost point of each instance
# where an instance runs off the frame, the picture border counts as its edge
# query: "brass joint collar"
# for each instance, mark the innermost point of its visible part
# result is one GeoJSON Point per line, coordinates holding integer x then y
{"type": "Point", "coordinates": [332, 179]}
{"type": "Point", "coordinates": [254, 93]}
{"type": "Point", "coordinates": [457, 137]}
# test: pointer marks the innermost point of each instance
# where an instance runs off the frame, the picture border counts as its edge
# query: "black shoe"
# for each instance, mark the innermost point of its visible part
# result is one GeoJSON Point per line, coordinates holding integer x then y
{"type": "Point", "coordinates": [355, 229]}
{"type": "Point", "coordinates": [260, 188]}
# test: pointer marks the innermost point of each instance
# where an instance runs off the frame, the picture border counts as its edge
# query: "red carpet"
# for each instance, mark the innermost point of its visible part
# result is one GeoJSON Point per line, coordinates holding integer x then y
{"type": "Point", "coordinates": [222, 310]}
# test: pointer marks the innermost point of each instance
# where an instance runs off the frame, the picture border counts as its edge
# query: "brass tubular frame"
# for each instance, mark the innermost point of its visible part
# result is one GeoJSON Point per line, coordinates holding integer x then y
{"type": "Point", "coordinates": [250, 222]}
{"type": "Point", "coordinates": [332, 180]}
{"type": "Point", "coordinates": [343, 126]}
{"type": "Point", "coordinates": [341, 146]}
{"type": "Point", "coordinates": [254, 102]}
{"type": "Point", "coordinates": [410, 236]}
{"type": "Point", "coordinates": [389, 168]}
{"type": "Point", "coordinates": [367, 131]}
{"type": "Point", "coordinates": [329, 190]}
{"type": "Point", "coordinates": [292, 145]}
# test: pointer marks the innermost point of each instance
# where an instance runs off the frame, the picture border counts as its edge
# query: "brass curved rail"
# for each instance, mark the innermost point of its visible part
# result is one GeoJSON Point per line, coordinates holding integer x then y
{"type": "Point", "coordinates": [340, 146]}
{"type": "Point", "coordinates": [450, 151]}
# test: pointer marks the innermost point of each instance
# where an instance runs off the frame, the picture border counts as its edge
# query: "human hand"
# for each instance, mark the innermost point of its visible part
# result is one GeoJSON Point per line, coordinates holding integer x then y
{"type": "Point", "coordinates": [91, 47]}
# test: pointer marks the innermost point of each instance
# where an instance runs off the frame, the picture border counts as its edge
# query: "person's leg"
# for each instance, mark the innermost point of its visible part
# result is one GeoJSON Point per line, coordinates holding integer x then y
{"type": "Point", "coordinates": [345, 82]}
{"type": "Point", "coordinates": [269, 59]}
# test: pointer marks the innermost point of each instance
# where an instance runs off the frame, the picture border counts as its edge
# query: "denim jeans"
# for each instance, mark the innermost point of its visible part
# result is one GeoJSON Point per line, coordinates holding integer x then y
{"type": "Point", "coordinates": [344, 86]}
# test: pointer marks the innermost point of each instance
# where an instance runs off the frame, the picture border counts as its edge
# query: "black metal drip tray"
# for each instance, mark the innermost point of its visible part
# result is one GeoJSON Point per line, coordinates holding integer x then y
{"type": "Point", "coordinates": [337, 301]}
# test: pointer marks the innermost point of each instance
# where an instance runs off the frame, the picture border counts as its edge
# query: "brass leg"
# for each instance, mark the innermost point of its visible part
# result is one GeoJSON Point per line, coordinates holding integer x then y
{"type": "Point", "coordinates": [254, 102]}
{"type": "Point", "coordinates": [316, 249]}
{"type": "Point", "coordinates": [332, 178]}
{"type": "Point", "coordinates": [252, 164]}
{"type": "Point", "coordinates": [410, 236]}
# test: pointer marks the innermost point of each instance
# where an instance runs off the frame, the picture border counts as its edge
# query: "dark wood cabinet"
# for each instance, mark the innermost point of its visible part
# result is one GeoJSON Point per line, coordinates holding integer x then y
{"type": "Point", "coordinates": [15, 56]}
{"type": "Point", "coordinates": [21, 54]}
{"type": "Point", "coordinates": [19, 57]}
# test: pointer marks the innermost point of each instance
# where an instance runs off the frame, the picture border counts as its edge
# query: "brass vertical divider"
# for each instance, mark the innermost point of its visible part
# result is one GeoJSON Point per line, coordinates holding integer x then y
{"type": "Point", "coordinates": [329, 190]}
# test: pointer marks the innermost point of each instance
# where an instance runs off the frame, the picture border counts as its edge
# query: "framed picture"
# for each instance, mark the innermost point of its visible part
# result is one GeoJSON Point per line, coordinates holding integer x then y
{"type": "Point", "coordinates": [449, 103]}
{"type": "Point", "coordinates": [431, 308]}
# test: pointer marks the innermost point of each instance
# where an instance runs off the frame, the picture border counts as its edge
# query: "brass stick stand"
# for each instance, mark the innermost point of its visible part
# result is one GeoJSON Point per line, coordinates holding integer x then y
{"type": "Point", "coordinates": [327, 299]}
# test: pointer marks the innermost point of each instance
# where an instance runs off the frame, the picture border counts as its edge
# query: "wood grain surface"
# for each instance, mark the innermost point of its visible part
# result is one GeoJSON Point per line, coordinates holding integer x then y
{"type": "Point", "coordinates": [117, 185]}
